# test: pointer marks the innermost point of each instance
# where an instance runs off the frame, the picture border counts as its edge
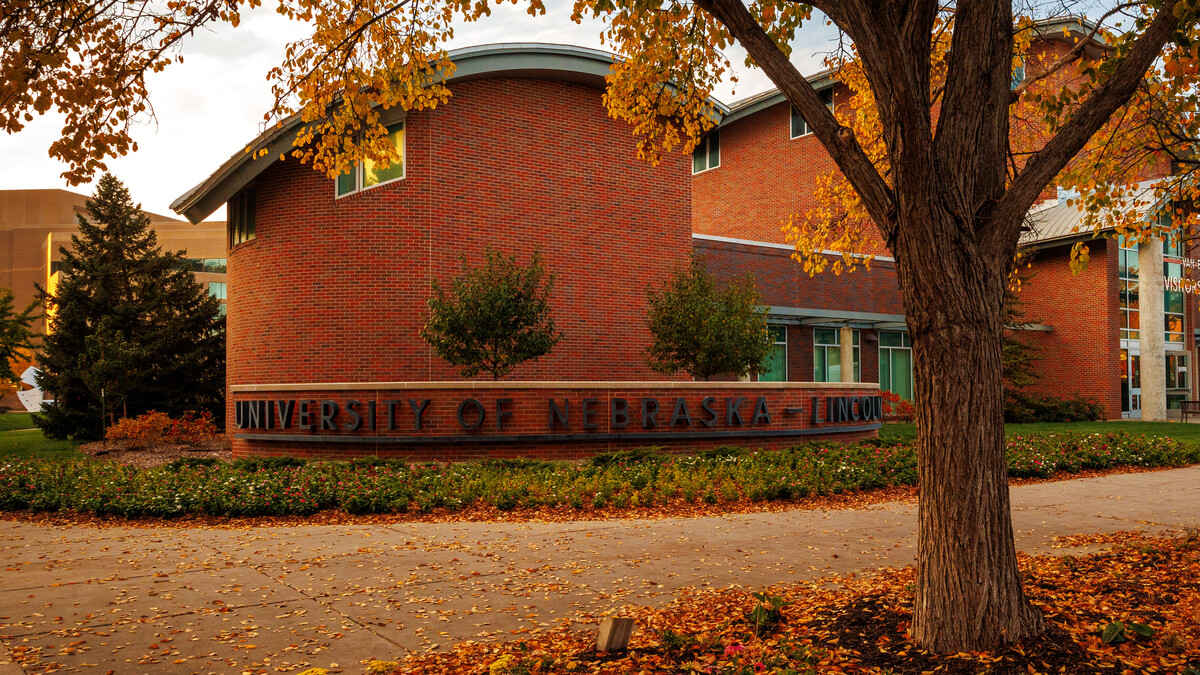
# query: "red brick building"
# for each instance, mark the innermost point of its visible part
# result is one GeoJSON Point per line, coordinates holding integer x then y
{"type": "Point", "coordinates": [328, 282]}
{"type": "Point", "coordinates": [759, 167]}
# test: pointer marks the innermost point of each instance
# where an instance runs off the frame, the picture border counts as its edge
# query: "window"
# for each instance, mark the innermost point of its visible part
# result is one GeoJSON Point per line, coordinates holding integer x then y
{"type": "Point", "coordinates": [240, 213]}
{"type": "Point", "coordinates": [775, 365]}
{"type": "Point", "coordinates": [217, 289]}
{"type": "Point", "coordinates": [827, 355]}
{"type": "Point", "coordinates": [799, 126]}
{"type": "Point", "coordinates": [895, 364]}
{"type": "Point", "coordinates": [1173, 300]}
{"type": "Point", "coordinates": [1173, 304]}
{"type": "Point", "coordinates": [1178, 379]}
{"type": "Point", "coordinates": [368, 174]}
{"type": "Point", "coordinates": [205, 265]}
{"type": "Point", "coordinates": [707, 155]}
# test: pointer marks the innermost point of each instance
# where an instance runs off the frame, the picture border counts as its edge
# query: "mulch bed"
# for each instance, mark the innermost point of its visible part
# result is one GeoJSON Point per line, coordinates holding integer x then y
{"type": "Point", "coordinates": [859, 624]}
{"type": "Point", "coordinates": [157, 454]}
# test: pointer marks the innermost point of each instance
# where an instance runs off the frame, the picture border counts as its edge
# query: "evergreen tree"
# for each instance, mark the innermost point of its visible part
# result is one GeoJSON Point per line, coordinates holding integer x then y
{"type": "Point", "coordinates": [129, 324]}
{"type": "Point", "coordinates": [17, 337]}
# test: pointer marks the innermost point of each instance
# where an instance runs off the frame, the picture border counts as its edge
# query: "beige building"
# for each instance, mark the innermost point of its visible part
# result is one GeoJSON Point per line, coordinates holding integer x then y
{"type": "Point", "coordinates": [35, 224]}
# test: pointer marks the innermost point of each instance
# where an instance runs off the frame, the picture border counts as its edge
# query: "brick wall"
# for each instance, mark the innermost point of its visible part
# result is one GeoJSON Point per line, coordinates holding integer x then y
{"type": "Point", "coordinates": [334, 290]}
{"type": "Point", "coordinates": [1082, 352]}
{"type": "Point", "coordinates": [783, 282]}
{"type": "Point", "coordinates": [517, 420]}
{"type": "Point", "coordinates": [765, 176]}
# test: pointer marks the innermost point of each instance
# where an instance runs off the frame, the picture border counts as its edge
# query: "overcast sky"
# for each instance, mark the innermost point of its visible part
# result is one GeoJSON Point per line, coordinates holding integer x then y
{"type": "Point", "coordinates": [211, 105]}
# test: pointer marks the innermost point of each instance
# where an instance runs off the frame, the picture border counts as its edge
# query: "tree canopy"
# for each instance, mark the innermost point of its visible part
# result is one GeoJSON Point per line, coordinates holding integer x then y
{"type": "Point", "coordinates": [495, 317]}
{"type": "Point", "coordinates": [17, 337]}
{"type": "Point", "coordinates": [704, 329]}
{"type": "Point", "coordinates": [131, 329]}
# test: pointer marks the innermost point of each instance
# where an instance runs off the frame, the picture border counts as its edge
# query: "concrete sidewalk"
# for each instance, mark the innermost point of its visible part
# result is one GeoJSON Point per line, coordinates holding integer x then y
{"type": "Point", "coordinates": [175, 600]}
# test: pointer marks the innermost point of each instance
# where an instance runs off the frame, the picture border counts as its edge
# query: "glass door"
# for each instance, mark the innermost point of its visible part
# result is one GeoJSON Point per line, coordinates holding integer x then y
{"type": "Point", "coordinates": [1131, 383]}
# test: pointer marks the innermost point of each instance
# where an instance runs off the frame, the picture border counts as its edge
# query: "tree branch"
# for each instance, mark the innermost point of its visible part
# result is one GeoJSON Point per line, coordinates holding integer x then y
{"type": "Point", "coordinates": [1070, 139]}
{"type": "Point", "coordinates": [840, 142]}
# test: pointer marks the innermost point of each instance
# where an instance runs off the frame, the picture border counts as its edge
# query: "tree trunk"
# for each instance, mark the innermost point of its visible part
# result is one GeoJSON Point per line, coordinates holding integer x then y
{"type": "Point", "coordinates": [969, 594]}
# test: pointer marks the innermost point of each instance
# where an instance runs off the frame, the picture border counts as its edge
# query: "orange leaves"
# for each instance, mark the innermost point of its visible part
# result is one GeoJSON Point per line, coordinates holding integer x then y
{"type": "Point", "coordinates": [858, 625]}
{"type": "Point", "coordinates": [88, 60]}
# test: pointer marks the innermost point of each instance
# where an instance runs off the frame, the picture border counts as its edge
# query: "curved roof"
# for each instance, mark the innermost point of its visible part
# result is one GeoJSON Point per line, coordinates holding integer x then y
{"type": "Point", "coordinates": [529, 60]}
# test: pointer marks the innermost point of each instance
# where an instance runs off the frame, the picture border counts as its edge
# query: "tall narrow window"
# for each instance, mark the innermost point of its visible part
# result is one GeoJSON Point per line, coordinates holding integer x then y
{"type": "Point", "coordinates": [775, 364]}
{"type": "Point", "coordinates": [799, 126]}
{"type": "Point", "coordinates": [707, 155]}
{"type": "Point", "coordinates": [827, 355]}
{"type": "Point", "coordinates": [895, 363]}
{"type": "Point", "coordinates": [240, 217]}
{"type": "Point", "coordinates": [368, 174]}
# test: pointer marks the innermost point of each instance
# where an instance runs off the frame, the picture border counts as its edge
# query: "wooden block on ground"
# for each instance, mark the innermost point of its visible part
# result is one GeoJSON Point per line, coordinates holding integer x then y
{"type": "Point", "coordinates": [614, 635]}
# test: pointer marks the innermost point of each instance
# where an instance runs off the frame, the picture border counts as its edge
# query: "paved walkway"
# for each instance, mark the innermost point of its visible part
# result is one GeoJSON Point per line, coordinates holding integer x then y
{"type": "Point", "coordinates": [175, 600]}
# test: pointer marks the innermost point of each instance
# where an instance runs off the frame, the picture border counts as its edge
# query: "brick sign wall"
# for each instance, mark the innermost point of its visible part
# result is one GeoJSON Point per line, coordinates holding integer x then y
{"type": "Point", "coordinates": [559, 420]}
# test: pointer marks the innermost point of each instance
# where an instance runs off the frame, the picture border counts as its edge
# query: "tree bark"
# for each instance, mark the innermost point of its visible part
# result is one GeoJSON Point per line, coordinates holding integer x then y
{"type": "Point", "coordinates": [952, 222]}
{"type": "Point", "coordinates": [969, 593]}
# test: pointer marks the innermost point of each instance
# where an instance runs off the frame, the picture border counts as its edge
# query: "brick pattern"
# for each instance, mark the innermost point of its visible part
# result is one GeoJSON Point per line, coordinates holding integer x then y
{"type": "Point", "coordinates": [783, 282]}
{"type": "Point", "coordinates": [1082, 354]}
{"type": "Point", "coordinates": [334, 290]}
{"type": "Point", "coordinates": [529, 413]}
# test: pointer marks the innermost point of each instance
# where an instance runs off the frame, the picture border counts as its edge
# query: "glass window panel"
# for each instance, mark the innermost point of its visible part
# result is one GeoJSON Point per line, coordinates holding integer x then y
{"type": "Point", "coordinates": [825, 336]}
{"type": "Point", "coordinates": [890, 339]}
{"type": "Point", "coordinates": [1173, 302]}
{"type": "Point", "coordinates": [885, 369]}
{"type": "Point", "coordinates": [775, 365]}
{"type": "Point", "coordinates": [1131, 294]}
{"type": "Point", "coordinates": [833, 360]}
{"type": "Point", "coordinates": [699, 158]}
{"type": "Point", "coordinates": [777, 335]}
{"type": "Point", "coordinates": [799, 126]}
{"type": "Point", "coordinates": [374, 174]}
{"type": "Point", "coordinates": [714, 149]}
{"type": "Point", "coordinates": [855, 337]}
{"type": "Point", "coordinates": [346, 183]}
{"type": "Point", "coordinates": [902, 373]}
{"type": "Point", "coordinates": [819, 365]}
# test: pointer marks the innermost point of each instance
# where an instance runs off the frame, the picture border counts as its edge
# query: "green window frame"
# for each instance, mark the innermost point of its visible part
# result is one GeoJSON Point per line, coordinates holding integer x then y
{"type": "Point", "coordinates": [239, 216]}
{"type": "Point", "coordinates": [707, 154]}
{"type": "Point", "coordinates": [368, 174]}
{"type": "Point", "coordinates": [799, 125]}
{"type": "Point", "coordinates": [774, 367]}
{"type": "Point", "coordinates": [895, 363]}
{"type": "Point", "coordinates": [827, 355]}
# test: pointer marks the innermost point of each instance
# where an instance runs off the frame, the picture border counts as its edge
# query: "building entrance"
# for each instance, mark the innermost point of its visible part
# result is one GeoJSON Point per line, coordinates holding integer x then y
{"type": "Point", "coordinates": [1131, 383]}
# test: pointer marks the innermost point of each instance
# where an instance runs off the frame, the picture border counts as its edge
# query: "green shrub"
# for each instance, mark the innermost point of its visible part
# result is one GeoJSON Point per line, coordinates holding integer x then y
{"type": "Point", "coordinates": [642, 477]}
{"type": "Point", "coordinates": [1022, 408]}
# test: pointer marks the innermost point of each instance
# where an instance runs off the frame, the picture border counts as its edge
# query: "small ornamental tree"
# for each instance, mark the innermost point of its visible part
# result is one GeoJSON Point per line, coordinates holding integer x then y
{"type": "Point", "coordinates": [495, 317]}
{"type": "Point", "coordinates": [706, 330]}
{"type": "Point", "coordinates": [17, 338]}
{"type": "Point", "coordinates": [133, 330]}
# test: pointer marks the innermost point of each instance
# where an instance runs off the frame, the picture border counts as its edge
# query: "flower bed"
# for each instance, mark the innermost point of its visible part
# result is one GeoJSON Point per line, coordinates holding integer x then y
{"type": "Point", "coordinates": [640, 478]}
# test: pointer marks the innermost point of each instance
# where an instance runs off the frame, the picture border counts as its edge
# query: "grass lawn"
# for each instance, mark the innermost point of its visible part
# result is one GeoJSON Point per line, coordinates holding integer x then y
{"type": "Point", "coordinates": [19, 438]}
{"type": "Point", "coordinates": [10, 421]}
{"type": "Point", "coordinates": [1175, 430]}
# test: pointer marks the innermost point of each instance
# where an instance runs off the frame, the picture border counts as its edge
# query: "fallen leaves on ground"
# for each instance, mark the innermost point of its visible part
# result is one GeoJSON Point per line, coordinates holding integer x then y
{"type": "Point", "coordinates": [859, 624]}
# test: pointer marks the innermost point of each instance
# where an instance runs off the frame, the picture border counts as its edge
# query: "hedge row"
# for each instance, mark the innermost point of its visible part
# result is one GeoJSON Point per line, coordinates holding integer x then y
{"type": "Point", "coordinates": [637, 478]}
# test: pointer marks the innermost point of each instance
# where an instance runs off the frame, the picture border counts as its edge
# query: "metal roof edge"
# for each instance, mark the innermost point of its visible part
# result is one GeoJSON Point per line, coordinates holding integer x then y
{"type": "Point", "coordinates": [553, 61]}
